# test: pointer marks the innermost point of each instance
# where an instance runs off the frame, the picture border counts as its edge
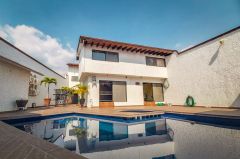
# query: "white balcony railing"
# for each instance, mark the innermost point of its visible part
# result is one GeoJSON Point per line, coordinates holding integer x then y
{"type": "Point", "coordinates": [123, 68]}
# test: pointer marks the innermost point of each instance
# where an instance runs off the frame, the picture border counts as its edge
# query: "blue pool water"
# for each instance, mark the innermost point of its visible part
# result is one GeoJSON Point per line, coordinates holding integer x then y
{"type": "Point", "coordinates": [166, 136]}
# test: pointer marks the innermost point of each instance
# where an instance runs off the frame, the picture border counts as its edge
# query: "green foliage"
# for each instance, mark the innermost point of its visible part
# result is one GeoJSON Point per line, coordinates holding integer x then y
{"type": "Point", "coordinates": [81, 90]}
{"type": "Point", "coordinates": [70, 91]}
{"type": "Point", "coordinates": [47, 81]}
{"type": "Point", "coordinates": [190, 101]}
{"type": "Point", "coordinates": [79, 132]}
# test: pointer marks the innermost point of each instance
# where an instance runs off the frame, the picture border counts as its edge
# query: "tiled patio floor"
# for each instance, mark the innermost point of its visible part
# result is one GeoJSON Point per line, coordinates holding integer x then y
{"type": "Point", "coordinates": [129, 111]}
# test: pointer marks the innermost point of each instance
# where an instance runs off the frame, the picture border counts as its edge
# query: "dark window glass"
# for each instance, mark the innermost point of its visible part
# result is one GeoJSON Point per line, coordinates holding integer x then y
{"type": "Point", "coordinates": [74, 78]}
{"type": "Point", "coordinates": [112, 57]}
{"type": "Point", "coordinates": [97, 55]}
{"type": "Point", "coordinates": [151, 61]}
{"type": "Point", "coordinates": [150, 128]}
{"type": "Point", "coordinates": [105, 91]}
{"type": "Point", "coordinates": [105, 56]}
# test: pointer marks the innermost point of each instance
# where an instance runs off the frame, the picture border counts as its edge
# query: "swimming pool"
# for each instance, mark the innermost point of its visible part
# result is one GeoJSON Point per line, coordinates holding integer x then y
{"type": "Point", "coordinates": [156, 137]}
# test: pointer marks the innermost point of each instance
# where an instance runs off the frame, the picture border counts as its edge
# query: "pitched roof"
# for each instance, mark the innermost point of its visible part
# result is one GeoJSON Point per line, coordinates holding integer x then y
{"type": "Point", "coordinates": [123, 46]}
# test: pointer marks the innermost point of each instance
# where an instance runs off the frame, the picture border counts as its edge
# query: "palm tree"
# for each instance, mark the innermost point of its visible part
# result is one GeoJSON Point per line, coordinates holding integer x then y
{"type": "Point", "coordinates": [47, 81]}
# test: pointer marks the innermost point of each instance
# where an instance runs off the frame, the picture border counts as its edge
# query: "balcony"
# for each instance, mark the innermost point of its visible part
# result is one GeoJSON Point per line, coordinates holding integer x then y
{"type": "Point", "coordinates": [122, 68]}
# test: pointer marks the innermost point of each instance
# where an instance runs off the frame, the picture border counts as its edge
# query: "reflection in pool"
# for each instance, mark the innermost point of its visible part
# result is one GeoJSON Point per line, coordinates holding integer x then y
{"type": "Point", "coordinates": [155, 139]}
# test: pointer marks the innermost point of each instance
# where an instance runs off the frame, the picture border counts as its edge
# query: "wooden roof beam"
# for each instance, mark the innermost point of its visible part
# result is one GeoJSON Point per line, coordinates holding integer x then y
{"type": "Point", "coordinates": [114, 46]}
{"type": "Point", "coordinates": [109, 46]}
{"type": "Point", "coordinates": [129, 48]}
{"type": "Point", "coordinates": [134, 49]}
{"type": "Point", "coordinates": [119, 47]}
{"type": "Point", "coordinates": [124, 48]}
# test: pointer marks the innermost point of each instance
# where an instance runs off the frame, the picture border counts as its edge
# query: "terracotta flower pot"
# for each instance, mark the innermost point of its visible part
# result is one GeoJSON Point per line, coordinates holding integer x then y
{"type": "Point", "coordinates": [47, 101]}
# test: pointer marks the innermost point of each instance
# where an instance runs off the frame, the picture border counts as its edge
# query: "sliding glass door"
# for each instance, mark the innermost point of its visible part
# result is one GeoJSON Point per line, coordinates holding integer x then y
{"type": "Point", "coordinates": [153, 92]}
{"type": "Point", "coordinates": [112, 91]}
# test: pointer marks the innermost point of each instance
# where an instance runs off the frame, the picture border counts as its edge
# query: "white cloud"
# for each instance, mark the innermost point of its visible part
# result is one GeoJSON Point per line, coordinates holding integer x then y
{"type": "Point", "coordinates": [41, 46]}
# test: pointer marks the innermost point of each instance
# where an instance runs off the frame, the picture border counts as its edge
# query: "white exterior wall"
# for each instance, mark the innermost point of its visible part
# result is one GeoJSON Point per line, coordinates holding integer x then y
{"type": "Point", "coordinates": [72, 71]}
{"type": "Point", "coordinates": [14, 82]}
{"type": "Point", "coordinates": [134, 92]}
{"type": "Point", "coordinates": [42, 90]}
{"type": "Point", "coordinates": [210, 75]}
{"type": "Point", "coordinates": [130, 64]}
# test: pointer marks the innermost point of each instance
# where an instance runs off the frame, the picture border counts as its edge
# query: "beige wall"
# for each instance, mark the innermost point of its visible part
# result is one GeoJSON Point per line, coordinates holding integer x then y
{"type": "Point", "coordinates": [210, 73]}
{"type": "Point", "coordinates": [14, 85]}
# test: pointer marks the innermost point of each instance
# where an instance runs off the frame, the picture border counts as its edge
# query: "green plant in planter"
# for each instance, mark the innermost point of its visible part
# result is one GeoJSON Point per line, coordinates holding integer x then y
{"type": "Point", "coordinates": [81, 90]}
{"type": "Point", "coordinates": [190, 101]}
{"type": "Point", "coordinates": [47, 81]}
{"type": "Point", "coordinates": [69, 92]}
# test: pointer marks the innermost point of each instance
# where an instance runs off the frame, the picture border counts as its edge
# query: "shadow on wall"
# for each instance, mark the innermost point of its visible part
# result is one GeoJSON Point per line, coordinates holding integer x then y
{"type": "Point", "coordinates": [214, 57]}
{"type": "Point", "coordinates": [236, 102]}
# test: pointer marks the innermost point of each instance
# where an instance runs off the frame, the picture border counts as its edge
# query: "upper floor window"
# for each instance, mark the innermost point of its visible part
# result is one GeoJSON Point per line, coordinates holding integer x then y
{"type": "Point", "coordinates": [105, 56]}
{"type": "Point", "coordinates": [74, 78]}
{"type": "Point", "coordinates": [152, 61]}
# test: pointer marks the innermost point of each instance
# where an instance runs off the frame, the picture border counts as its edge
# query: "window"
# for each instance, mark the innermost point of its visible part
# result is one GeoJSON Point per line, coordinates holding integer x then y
{"type": "Point", "coordinates": [105, 56]}
{"type": "Point", "coordinates": [74, 78]}
{"type": "Point", "coordinates": [152, 61]}
{"type": "Point", "coordinates": [113, 91]}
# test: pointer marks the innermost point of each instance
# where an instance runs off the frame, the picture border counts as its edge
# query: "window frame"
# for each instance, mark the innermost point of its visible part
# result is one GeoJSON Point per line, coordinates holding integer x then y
{"type": "Point", "coordinates": [106, 53]}
{"type": "Point", "coordinates": [74, 80]}
{"type": "Point", "coordinates": [156, 58]}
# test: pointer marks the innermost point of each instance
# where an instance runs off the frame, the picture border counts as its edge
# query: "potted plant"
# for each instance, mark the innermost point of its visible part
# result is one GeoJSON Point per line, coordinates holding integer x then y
{"type": "Point", "coordinates": [81, 90]}
{"type": "Point", "coordinates": [72, 95]}
{"type": "Point", "coordinates": [21, 103]}
{"type": "Point", "coordinates": [47, 81]}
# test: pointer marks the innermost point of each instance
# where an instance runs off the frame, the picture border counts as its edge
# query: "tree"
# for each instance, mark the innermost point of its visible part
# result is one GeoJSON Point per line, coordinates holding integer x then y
{"type": "Point", "coordinates": [47, 81]}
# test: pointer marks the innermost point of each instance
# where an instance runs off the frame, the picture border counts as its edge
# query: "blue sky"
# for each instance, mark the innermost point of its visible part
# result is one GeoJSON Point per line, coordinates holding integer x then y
{"type": "Point", "coordinates": [174, 24]}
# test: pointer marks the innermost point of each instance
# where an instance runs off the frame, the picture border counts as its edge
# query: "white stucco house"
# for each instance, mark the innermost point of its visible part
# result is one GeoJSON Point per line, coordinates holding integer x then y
{"type": "Point", "coordinates": [20, 76]}
{"type": "Point", "coordinates": [123, 74]}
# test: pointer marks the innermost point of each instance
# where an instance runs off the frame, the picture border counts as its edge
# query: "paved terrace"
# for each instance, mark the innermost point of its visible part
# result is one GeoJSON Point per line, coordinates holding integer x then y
{"type": "Point", "coordinates": [128, 112]}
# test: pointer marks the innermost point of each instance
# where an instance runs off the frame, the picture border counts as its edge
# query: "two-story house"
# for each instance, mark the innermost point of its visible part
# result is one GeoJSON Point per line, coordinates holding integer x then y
{"type": "Point", "coordinates": [121, 74]}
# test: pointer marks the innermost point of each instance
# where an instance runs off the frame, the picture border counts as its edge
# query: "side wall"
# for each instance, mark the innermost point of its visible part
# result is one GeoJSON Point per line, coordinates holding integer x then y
{"type": "Point", "coordinates": [72, 71]}
{"type": "Point", "coordinates": [14, 85]}
{"type": "Point", "coordinates": [42, 90]}
{"type": "Point", "coordinates": [134, 92]}
{"type": "Point", "coordinates": [210, 73]}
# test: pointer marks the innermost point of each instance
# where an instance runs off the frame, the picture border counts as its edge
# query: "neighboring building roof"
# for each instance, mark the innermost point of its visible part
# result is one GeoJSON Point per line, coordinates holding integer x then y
{"type": "Point", "coordinates": [123, 46]}
{"type": "Point", "coordinates": [28, 56]}
{"type": "Point", "coordinates": [73, 64]}
{"type": "Point", "coordinates": [204, 42]}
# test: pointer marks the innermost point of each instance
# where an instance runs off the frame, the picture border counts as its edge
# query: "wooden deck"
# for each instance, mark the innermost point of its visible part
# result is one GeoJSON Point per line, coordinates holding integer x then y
{"type": "Point", "coordinates": [129, 111]}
